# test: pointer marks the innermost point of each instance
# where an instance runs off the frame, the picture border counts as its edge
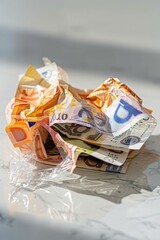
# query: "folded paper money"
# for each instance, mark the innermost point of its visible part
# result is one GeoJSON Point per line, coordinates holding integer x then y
{"type": "Point", "coordinates": [99, 129]}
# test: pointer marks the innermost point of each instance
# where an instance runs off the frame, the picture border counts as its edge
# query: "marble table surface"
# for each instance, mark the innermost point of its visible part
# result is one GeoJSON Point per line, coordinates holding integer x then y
{"type": "Point", "coordinates": [95, 205]}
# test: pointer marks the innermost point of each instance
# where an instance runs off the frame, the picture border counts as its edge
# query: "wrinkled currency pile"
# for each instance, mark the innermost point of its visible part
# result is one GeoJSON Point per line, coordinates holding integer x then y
{"type": "Point", "coordinates": [101, 129]}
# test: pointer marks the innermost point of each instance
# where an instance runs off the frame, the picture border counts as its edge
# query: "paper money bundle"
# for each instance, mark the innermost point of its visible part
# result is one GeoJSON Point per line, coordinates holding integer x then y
{"type": "Point", "coordinates": [101, 129]}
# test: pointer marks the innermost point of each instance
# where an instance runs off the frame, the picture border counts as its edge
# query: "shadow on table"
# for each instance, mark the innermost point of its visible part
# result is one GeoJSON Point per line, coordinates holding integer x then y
{"type": "Point", "coordinates": [143, 173]}
{"type": "Point", "coordinates": [28, 48]}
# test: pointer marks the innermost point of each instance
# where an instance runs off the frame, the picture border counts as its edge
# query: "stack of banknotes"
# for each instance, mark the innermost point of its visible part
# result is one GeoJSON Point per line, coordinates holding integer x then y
{"type": "Point", "coordinates": [100, 129]}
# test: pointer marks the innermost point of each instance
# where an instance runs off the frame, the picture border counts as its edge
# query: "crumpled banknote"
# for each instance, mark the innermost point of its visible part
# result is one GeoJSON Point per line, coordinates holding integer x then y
{"type": "Point", "coordinates": [100, 129]}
